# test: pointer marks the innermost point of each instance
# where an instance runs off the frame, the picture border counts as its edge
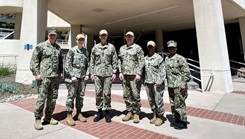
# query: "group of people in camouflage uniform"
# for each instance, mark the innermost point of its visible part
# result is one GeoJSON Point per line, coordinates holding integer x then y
{"type": "Point", "coordinates": [47, 65]}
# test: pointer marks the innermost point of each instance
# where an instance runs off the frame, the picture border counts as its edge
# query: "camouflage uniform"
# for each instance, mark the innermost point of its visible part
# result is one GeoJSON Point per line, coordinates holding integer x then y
{"type": "Point", "coordinates": [178, 74]}
{"type": "Point", "coordinates": [102, 65]}
{"type": "Point", "coordinates": [155, 74]}
{"type": "Point", "coordinates": [76, 65]}
{"type": "Point", "coordinates": [46, 61]}
{"type": "Point", "coordinates": [131, 63]}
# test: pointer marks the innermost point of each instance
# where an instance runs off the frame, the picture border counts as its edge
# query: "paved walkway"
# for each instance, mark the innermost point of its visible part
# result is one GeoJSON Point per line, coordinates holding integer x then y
{"type": "Point", "coordinates": [211, 115]}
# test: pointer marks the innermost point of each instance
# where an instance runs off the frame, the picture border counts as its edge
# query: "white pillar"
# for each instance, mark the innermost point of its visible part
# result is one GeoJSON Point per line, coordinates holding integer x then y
{"type": "Point", "coordinates": [242, 30]}
{"type": "Point", "coordinates": [75, 29]}
{"type": "Point", "coordinates": [159, 40]}
{"type": "Point", "coordinates": [17, 25]}
{"type": "Point", "coordinates": [33, 28]}
{"type": "Point", "coordinates": [212, 45]}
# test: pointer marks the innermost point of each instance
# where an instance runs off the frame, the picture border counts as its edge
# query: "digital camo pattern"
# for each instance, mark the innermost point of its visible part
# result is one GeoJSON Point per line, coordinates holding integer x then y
{"type": "Point", "coordinates": [177, 70]}
{"type": "Point", "coordinates": [154, 69]}
{"type": "Point", "coordinates": [104, 61]}
{"type": "Point", "coordinates": [131, 60]}
{"type": "Point", "coordinates": [47, 89]}
{"type": "Point", "coordinates": [155, 98]}
{"type": "Point", "coordinates": [103, 92]}
{"type": "Point", "coordinates": [76, 62]}
{"type": "Point", "coordinates": [46, 60]}
{"type": "Point", "coordinates": [131, 93]}
{"type": "Point", "coordinates": [155, 74]}
{"type": "Point", "coordinates": [178, 74]}
{"type": "Point", "coordinates": [75, 91]}
{"type": "Point", "coordinates": [177, 101]}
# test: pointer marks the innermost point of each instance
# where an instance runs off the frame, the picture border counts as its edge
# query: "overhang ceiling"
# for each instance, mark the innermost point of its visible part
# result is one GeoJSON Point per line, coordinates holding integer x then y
{"type": "Point", "coordinates": [118, 16]}
{"type": "Point", "coordinates": [136, 15]}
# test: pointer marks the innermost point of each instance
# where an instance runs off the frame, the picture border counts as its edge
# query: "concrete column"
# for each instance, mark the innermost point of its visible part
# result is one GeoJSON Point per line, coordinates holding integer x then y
{"type": "Point", "coordinates": [33, 28]}
{"type": "Point", "coordinates": [17, 25]}
{"type": "Point", "coordinates": [212, 45]}
{"type": "Point", "coordinates": [159, 40]}
{"type": "Point", "coordinates": [75, 29]}
{"type": "Point", "coordinates": [242, 30]}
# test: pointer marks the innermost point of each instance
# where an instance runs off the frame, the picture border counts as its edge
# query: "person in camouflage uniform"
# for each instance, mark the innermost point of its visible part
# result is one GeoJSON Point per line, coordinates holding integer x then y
{"type": "Point", "coordinates": [46, 66]}
{"type": "Point", "coordinates": [155, 75]}
{"type": "Point", "coordinates": [131, 63]}
{"type": "Point", "coordinates": [76, 66]}
{"type": "Point", "coordinates": [103, 66]}
{"type": "Point", "coordinates": [178, 74]}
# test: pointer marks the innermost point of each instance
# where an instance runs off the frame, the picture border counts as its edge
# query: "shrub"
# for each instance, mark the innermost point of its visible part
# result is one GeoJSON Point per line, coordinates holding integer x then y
{"type": "Point", "coordinates": [5, 71]}
{"type": "Point", "coordinates": [7, 88]}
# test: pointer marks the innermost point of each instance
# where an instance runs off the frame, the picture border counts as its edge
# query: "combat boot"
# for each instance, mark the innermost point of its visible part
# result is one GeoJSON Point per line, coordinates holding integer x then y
{"type": "Point", "coordinates": [80, 117]}
{"type": "Point", "coordinates": [181, 125]}
{"type": "Point", "coordinates": [136, 118]}
{"type": "Point", "coordinates": [128, 117]}
{"type": "Point", "coordinates": [153, 120]}
{"type": "Point", "coordinates": [70, 121]}
{"type": "Point", "coordinates": [159, 120]}
{"type": "Point", "coordinates": [99, 116]}
{"type": "Point", "coordinates": [107, 116]}
{"type": "Point", "coordinates": [50, 120]}
{"type": "Point", "coordinates": [38, 125]}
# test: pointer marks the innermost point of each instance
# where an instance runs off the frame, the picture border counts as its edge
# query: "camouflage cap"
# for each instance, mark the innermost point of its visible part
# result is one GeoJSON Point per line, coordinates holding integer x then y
{"type": "Point", "coordinates": [172, 43]}
{"type": "Point", "coordinates": [52, 31]}
{"type": "Point", "coordinates": [151, 43]}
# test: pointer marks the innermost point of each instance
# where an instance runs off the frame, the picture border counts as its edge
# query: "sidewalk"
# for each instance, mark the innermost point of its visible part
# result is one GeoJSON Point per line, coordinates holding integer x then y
{"type": "Point", "coordinates": [211, 115]}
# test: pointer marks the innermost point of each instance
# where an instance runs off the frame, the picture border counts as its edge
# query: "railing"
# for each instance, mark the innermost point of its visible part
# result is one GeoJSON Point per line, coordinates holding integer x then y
{"type": "Point", "coordinates": [196, 69]}
{"type": "Point", "coordinates": [5, 33]}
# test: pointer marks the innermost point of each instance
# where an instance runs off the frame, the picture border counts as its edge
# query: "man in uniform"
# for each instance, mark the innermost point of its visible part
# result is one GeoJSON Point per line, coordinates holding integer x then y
{"type": "Point", "coordinates": [155, 75]}
{"type": "Point", "coordinates": [103, 67]}
{"type": "Point", "coordinates": [131, 63]}
{"type": "Point", "coordinates": [76, 66]}
{"type": "Point", "coordinates": [46, 66]}
{"type": "Point", "coordinates": [178, 74]}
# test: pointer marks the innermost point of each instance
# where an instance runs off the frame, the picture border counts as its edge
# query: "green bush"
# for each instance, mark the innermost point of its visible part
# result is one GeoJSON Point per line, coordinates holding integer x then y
{"type": "Point", "coordinates": [5, 71]}
{"type": "Point", "coordinates": [34, 84]}
{"type": "Point", "coordinates": [7, 88]}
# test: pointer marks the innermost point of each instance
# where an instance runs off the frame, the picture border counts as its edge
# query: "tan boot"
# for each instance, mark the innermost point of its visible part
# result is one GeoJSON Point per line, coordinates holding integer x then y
{"type": "Point", "coordinates": [136, 118]}
{"type": "Point", "coordinates": [69, 119]}
{"type": "Point", "coordinates": [159, 121]}
{"type": "Point", "coordinates": [153, 120]}
{"type": "Point", "coordinates": [50, 120]}
{"type": "Point", "coordinates": [38, 125]}
{"type": "Point", "coordinates": [128, 117]}
{"type": "Point", "coordinates": [80, 117]}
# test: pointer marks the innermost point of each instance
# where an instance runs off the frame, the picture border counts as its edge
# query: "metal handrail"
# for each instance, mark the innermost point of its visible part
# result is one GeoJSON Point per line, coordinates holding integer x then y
{"type": "Point", "coordinates": [236, 62]}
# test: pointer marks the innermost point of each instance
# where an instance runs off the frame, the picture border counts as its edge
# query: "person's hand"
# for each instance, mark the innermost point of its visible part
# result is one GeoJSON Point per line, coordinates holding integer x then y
{"type": "Point", "coordinates": [121, 77]}
{"type": "Point", "coordinates": [92, 77]}
{"type": "Point", "coordinates": [182, 87]}
{"type": "Point", "coordinates": [137, 77]}
{"type": "Point", "coordinates": [38, 77]}
{"type": "Point", "coordinates": [113, 77]}
{"type": "Point", "coordinates": [74, 79]}
{"type": "Point", "coordinates": [86, 78]}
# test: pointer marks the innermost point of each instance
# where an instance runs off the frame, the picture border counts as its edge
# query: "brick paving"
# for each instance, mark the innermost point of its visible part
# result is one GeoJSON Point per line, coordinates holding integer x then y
{"type": "Point", "coordinates": [115, 129]}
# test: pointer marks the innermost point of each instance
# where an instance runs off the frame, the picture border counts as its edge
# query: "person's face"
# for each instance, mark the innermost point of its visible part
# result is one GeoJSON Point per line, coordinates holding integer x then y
{"type": "Point", "coordinates": [151, 49]}
{"type": "Point", "coordinates": [80, 41]}
{"type": "Point", "coordinates": [172, 50]}
{"type": "Point", "coordinates": [52, 37]}
{"type": "Point", "coordinates": [103, 37]}
{"type": "Point", "coordinates": [129, 39]}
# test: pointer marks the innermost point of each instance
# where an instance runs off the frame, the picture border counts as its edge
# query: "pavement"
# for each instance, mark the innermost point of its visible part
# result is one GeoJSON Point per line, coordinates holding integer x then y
{"type": "Point", "coordinates": [210, 115]}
